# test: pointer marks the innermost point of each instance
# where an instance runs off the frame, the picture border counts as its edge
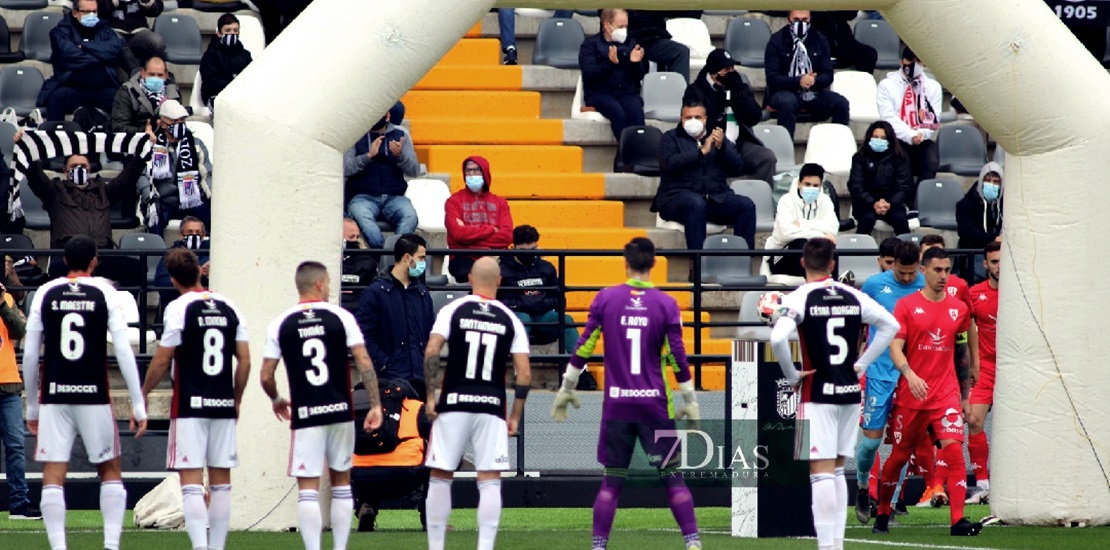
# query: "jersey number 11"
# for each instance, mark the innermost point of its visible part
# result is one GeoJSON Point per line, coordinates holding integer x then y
{"type": "Point", "coordinates": [475, 340]}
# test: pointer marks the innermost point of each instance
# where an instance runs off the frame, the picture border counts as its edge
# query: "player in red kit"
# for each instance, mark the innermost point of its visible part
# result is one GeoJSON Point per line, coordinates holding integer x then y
{"type": "Point", "coordinates": [984, 312]}
{"type": "Point", "coordinates": [928, 396]}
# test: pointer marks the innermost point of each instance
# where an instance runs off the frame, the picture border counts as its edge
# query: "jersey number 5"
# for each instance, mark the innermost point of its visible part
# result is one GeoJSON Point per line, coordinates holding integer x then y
{"type": "Point", "coordinates": [315, 352]}
{"type": "Point", "coordinates": [474, 341]}
{"type": "Point", "coordinates": [73, 344]}
{"type": "Point", "coordinates": [836, 341]}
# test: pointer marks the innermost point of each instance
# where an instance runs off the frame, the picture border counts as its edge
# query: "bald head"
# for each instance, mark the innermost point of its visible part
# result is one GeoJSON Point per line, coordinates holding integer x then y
{"type": "Point", "coordinates": [485, 276]}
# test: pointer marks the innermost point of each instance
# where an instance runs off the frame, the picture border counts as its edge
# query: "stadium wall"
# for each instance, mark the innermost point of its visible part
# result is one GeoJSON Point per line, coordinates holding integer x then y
{"type": "Point", "coordinates": [342, 63]}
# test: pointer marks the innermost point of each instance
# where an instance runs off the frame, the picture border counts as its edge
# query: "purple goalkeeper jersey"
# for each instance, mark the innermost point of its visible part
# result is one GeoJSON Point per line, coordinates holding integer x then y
{"type": "Point", "coordinates": [643, 337]}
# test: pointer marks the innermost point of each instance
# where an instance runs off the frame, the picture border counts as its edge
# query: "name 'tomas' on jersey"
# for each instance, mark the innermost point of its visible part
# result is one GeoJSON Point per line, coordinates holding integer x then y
{"type": "Point", "coordinates": [312, 339]}
{"type": "Point", "coordinates": [204, 328]}
{"type": "Point", "coordinates": [481, 336]}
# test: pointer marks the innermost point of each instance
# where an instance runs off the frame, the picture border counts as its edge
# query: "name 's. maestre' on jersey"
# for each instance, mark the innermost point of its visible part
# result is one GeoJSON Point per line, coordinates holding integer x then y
{"type": "Point", "coordinates": [72, 305]}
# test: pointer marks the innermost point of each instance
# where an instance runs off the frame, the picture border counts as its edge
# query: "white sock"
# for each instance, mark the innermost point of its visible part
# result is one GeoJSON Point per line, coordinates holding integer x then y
{"type": "Point", "coordinates": [342, 507]}
{"type": "Point", "coordinates": [489, 512]}
{"type": "Point", "coordinates": [823, 487]}
{"type": "Point", "coordinates": [438, 511]}
{"type": "Point", "coordinates": [219, 516]}
{"type": "Point", "coordinates": [113, 504]}
{"type": "Point", "coordinates": [53, 504]}
{"type": "Point", "coordinates": [841, 505]}
{"type": "Point", "coordinates": [308, 516]}
{"type": "Point", "coordinates": [196, 516]}
{"type": "Point", "coordinates": [984, 484]}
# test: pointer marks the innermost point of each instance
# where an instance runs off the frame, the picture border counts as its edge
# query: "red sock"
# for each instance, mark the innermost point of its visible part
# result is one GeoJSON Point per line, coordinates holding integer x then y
{"type": "Point", "coordinates": [979, 450]}
{"type": "Point", "coordinates": [892, 471]}
{"type": "Point", "coordinates": [873, 479]}
{"type": "Point", "coordinates": [925, 456]}
{"type": "Point", "coordinates": [942, 469]}
{"type": "Point", "coordinates": [953, 455]}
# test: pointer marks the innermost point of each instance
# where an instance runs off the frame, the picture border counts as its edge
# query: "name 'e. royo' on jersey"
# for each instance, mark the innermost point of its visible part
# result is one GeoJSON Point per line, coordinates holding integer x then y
{"type": "Point", "coordinates": [312, 338]}
{"type": "Point", "coordinates": [74, 316]}
{"type": "Point", "coordinates": [830, 318]}
{"type": "Point", "coordinates": [203, 328]}
{"type": "Point", "coordinates": [481, 335]}
{"type": "Point", "coordinates": [642, 327]}
{"type": "Point", "coordinates": [885, 289]}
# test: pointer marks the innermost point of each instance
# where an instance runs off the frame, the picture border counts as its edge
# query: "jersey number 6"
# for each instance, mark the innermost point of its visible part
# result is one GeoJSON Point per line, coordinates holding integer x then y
{"type": "Point", "coordinates": [73, 344]}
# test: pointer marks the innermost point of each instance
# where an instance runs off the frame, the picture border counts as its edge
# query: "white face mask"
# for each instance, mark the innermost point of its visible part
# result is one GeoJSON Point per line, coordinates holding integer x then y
{"type": "Point", "coordinates": [694, 127]}
{"type": "Point", "coordinates": [620, 35]}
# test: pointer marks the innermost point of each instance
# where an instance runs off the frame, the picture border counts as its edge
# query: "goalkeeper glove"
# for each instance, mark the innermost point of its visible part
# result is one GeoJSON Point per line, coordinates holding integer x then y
{"type": "Point", "coordinates": [562, 399]}
{"type": "Point", "coordinates": [689, 410]}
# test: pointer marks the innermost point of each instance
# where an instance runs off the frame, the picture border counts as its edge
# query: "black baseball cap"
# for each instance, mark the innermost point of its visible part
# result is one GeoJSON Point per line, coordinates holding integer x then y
{"type": "Point", "coordinates": [718, 60]}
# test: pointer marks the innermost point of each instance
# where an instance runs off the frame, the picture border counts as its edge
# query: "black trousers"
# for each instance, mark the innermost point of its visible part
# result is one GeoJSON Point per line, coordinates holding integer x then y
{"type": "Point", "coordinates": [789, 265]}
{"type": "Point", "coordinates": [375, 485]}
{"type": "Point", "coordinates": [826, 104]}
{"type": "Point", "coordinates": [865, 219]}
{"type": "Point", "coordinates": [924, 160]}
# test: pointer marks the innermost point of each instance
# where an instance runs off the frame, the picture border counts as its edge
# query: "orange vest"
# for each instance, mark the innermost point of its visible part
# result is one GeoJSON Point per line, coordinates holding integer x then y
{"type": "Point", "coordinates": [9, 369]}
{"type": "Point", "coordinates": [410, 451]}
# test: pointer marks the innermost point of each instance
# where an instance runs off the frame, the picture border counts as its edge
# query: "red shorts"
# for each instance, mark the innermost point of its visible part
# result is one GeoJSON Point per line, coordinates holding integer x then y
{"type": "Point", "coordinates": [983, 391]}
{"type": "Point", "coordinates": [945, 422]}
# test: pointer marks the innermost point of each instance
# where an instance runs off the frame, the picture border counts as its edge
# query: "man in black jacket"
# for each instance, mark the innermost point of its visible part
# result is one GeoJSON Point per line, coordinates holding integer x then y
{"type": "Point", "coordinates": [521, 273]}
{"type": "Point", "coordinates": [224, 59]}
{"type": "Point", "coordinates": [694, 162]}
{"type": "Point", "coordinates": [395, 313]}
{"type": "Point", "coordinates": [719, 87]}
{"type": "Point", "coordinates": [649, 29]}
{"type": "Point", "coordinates": [612, 68]}
{"type": "Point", "coordinates": [836, 26]}
{"type": "Point", "coordinates": [359, 269]}
{"type": "Point", "coordinates": [799, 73]}
{"type": "Point", "coordinates": [129, 19]}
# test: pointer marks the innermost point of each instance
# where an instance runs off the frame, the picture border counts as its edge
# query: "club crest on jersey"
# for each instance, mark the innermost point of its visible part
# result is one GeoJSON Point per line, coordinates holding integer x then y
{"type": "Point", "coordinates": [786, 400]}
{"type": "Point", "coordinates": [951, 291]}
{"type": "Point", "coordinates": [954, 313]}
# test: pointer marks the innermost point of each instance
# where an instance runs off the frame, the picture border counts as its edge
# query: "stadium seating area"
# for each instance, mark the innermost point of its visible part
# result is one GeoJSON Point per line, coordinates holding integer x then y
{"type": "Point", "coordinates": [550, 158]}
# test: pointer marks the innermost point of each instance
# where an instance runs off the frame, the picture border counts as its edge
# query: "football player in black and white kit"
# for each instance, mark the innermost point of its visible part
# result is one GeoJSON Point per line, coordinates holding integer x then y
{"type": "Point", "coordinates": [482, 334]}
{"type": "Point", "coordinates": [69, 319]}
{"type": "Point", "coordinates": [313, 338]}
{"type": "Point", "coordinates": [829, 318]}
{"type": "Point", "coordinates": [203, 333]}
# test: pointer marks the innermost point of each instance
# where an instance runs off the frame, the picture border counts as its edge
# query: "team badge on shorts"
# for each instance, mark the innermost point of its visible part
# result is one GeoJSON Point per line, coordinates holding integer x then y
{"type": "Point", "coordinates": [786, 400]}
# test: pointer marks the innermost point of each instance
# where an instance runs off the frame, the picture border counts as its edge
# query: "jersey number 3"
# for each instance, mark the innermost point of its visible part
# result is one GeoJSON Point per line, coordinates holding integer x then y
{"type": "Point", "coordinates": [315, 352]}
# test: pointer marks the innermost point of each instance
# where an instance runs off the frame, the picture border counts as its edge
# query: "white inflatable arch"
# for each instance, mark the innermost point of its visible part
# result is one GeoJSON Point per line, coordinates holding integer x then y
{"type": "Point", "coordinates": [284, 124]}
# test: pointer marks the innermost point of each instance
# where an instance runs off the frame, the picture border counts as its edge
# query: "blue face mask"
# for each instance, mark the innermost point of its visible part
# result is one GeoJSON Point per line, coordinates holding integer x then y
{"type": "Point", "coordinates": [879, 145]}
{"type": "Point", "coordinates": [90, 20]}
{"type": "Point", "coordinates": [419, 269]}
{"type": "Point", "coordinates": [810, 194]}
{"type": "Point", "coordinates": [154, 84]}
{"type": "Point", "coordinates": [475, 183]}
{"type": "Point", "coordinates": [991, 191]}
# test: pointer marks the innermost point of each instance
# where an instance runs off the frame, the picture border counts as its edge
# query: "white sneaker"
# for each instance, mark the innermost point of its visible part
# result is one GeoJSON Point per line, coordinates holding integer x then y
{"type": "Point", "coordinates": [980, 497]}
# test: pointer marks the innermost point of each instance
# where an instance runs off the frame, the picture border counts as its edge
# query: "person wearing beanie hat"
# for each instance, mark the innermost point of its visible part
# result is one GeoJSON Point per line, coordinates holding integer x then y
{"type": "Point", "coordinates": [179, 180]}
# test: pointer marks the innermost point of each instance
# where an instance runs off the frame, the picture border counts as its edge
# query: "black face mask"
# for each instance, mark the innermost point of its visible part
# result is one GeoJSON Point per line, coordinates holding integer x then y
{"type": "Point", "coordinates": [526, 259]}
{"type": "Point", "coordinates": [351, 245]}
{"type": "Point", "coordinates": [192, 242]}
{"type": "Point", "coordinates": [177, 130]}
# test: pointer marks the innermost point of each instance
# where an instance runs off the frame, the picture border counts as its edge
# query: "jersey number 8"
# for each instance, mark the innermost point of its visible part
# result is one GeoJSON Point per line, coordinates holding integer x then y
{"type": "Point", "coordinates": [73, 344]}
{"type": "Point", "coordinates": [213, 360]}
{"type": "Point", "coordinates": [315, 352]}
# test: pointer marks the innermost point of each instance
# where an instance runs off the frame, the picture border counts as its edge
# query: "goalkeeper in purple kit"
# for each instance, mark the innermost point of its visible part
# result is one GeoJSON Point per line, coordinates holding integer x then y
{"type": "Point", "coordinates": [643, 329]}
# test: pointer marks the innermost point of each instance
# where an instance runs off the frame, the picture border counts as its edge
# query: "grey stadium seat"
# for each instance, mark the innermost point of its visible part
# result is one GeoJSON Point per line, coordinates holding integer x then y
{"type": "Point", "coordinates": [662, 93]}
{"type": "Point", "coordinates": [914, 238]}
{"type": "Point", "coordinates": [7, 147]}
{"type": "Point", "coordinates": [34, 40]}
{"type": "Point", "coordinates": [387, 256]}
{"type": "Point", "coordinates": [760, 193]}
{"type": "Point", "coordinates": [962, 149]}
{"type": "Point", "coordinates": [145, 241]}
{"type": "Point", "coordinates": [728, 270]}
{"type": "Point", "coordinates": [778, 140]}
{"type": "Point", "coordinates": [19, 88]}
{"type": "Point", "coordinates": [557, 43]}
{"type": "Point", "coordinates": [861, 266]}
{"type": "Point", "coordinates": [878, 34]}
{"type": "Point", "coordinates": [6, 53]}
{"type": "Point", "coordinates": [441, 298]}
{"type": "Point", "coordinates": [638, 151]}
{"type": "Point", "coordinates": [33, 211]}
{"type": "Point", "coordinates": [746, 39]}
{"type": "Point", "coordinates": [936, 203]}
{"type": "Point", "coordinates": [182, 36]}
{"type": "Point", "coordinates": [24, 4]}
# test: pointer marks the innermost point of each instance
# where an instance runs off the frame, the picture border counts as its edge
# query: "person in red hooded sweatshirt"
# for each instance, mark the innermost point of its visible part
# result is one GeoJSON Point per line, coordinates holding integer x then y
{"type": "Point", "coordinates": [476, 218]}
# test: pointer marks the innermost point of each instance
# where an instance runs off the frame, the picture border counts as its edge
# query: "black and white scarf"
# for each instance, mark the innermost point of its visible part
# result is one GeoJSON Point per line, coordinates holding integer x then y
{"type": "Point", "coordinates": [185, 170]}
{"type": "Point", "coordinates": [37, 146]}
{"type": "Point", "coordinates": [801, 64]}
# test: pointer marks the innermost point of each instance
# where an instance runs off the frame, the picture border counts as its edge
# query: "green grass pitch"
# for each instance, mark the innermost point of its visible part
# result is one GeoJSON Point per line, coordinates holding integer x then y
{"type": "Point", "coordinates": [569, 528]}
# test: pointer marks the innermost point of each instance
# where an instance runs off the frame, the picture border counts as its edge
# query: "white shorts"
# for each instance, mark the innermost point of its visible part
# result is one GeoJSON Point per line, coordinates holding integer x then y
{"type": "Point", "coordinates": [60, 424]}
{"type": "Point", "coordinates": [310, 447]}
{"type": "Point", "coordinates": [826, 431]}
{"type": "Point", "coordinates": [487, 434]}
{"type": "Point", "coordinates": [201, 442]}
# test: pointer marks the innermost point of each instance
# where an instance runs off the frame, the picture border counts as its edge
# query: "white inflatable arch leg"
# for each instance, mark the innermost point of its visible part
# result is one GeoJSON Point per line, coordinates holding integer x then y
{"type": "Point", "coordinates": [342, 63]}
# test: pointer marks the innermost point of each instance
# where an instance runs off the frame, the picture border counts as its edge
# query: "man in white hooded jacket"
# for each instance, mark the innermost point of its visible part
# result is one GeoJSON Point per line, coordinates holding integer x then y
{"type": "Point", "coordinates": [805, 212]}
{"type": "Point", "coordinates": [912, 102]}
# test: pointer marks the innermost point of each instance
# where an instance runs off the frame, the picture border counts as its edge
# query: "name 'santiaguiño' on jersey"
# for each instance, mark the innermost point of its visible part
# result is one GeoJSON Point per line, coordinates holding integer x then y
{"type": "Point", "coordinates": [481, 326]}
{"type": "Point", "coordinates": [830, 311]}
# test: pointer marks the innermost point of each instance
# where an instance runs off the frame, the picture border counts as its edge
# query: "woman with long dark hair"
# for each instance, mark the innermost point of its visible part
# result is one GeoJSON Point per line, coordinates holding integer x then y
{"type": "Point", "coordinates": [881, 183]}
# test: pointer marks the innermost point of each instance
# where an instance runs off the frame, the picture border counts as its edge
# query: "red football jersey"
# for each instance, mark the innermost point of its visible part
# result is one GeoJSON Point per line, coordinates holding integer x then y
{"type": "Point", "coordinates": [929, 329]}
{"type": "Point", "coordinates": [984, 310]}
{"type": "Point", "coordinates": [957, 288]}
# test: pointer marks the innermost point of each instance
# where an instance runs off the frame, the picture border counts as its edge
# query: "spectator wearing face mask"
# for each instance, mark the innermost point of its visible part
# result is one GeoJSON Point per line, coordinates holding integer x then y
{"type": "Point", "coordinates": [911, 102]}
{"type": "Point", "coordinates": [476, 218]}
{"type": "Point", "coordinates": [395, 313]}
{"type": "Point", "coordinates": [138, 100]}
{"type": "Point", "coordinates": [803, 213]}
{"type": "Point", "coordinates": [523, 272]}
{"type": "Point", "coordinates": [799, 73]}
{"type": "Point", "coordinates": [358, 269]}
{"type": "Point", "coordinates": [730, 105]}
{"type": "Point", "coordinates": [375, 169]}
{"type": "Point", "coordinates": [695, 164]}
{"type": "Point", "coordinates": [979, 213]}
{"type": "Point", "coordinates": [880, 181]}
{"type": "Point", "coordinates": [129, 19]}
{"type": "Point", "coordinates": [195, 238]}
{"type": "Point", "coordinates": [612, 68]}
{"type": "Point", "coordinates": [224, 59]}
{"type": "Point", "coordinates": [87, 58]}
{"type": "Point", "coordinates": [180, 178]}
